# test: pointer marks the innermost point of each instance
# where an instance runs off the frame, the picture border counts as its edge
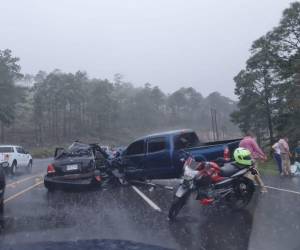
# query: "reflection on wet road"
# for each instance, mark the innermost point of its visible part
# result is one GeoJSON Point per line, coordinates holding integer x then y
{"type": "Point", "coordinates": [272, 220]}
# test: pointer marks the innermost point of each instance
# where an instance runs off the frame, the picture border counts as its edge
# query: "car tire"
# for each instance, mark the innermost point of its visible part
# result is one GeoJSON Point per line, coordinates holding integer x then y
{"type": "Point", "coordinates": [29, 167]}
{"type": "Point", "coordinates": [50, 187]}
{"type": "Point", "coordinates": [1, 206]}
{"type": "Point", "coordinates": [13, 168]}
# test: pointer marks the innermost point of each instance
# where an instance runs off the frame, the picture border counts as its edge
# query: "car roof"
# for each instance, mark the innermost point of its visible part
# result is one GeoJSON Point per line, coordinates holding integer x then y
{"type": "Point", "coordinates": [2, 146]}
{"type": "Point", "coordinates": [170, 132]}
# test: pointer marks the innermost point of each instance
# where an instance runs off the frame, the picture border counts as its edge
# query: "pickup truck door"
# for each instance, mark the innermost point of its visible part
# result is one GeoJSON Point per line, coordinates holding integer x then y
{"type": "Point", "coordinates": [133, 159]}
{"type": "Point", "coordinates": [158, 162]}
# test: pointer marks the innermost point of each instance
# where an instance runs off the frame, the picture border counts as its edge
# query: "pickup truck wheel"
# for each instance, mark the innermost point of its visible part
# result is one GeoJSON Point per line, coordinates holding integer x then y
{"type": "Point", "coordinates": [13, 168]}
{"type": "Point", "coordinates": [29, 167]}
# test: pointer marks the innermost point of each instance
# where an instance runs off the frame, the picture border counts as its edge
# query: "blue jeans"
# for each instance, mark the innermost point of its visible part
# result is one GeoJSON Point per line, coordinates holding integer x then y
{"type": "Point", "coordinates": [277, 158]}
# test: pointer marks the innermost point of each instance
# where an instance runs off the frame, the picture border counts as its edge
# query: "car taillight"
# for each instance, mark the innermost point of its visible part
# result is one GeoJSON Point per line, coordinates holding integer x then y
{"type": "Point", "coordinates": [98, 178]}
{"type": "Point", "coordinates": [226, 154]}
{"type": "Point", "coordinates": [50, 169]}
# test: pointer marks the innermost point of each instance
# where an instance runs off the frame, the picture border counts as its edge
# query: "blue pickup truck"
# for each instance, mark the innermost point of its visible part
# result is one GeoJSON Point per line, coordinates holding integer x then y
{"type": "Point", "coordinates": [160, 156]}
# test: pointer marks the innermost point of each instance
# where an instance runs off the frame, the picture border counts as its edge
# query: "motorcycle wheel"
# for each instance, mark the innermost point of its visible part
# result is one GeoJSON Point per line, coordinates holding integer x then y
{"type": "Point", "coordinates": [243, 192]}
{"type": "Point", "coordinates": [176, 206]}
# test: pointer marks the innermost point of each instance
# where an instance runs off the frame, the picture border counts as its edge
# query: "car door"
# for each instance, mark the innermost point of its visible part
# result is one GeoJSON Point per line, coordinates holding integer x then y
{"type": "Point", "coordinates": [133, 159]}
{"type": "Point", "coordinates": [20, 156]}
{"type": "Point", "coordinates": [158, 162]}
{"type": "Point", "coordinates": [26, 156]}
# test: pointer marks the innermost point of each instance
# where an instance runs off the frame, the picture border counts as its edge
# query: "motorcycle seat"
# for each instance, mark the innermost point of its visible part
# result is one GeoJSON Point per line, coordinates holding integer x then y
{"type": "Point", "coordinates": [228, 170]}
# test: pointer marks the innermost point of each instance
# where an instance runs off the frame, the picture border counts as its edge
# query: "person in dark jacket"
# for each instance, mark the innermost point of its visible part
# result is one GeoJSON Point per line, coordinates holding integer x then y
{"type": "Point", "coordinates": [277, 157]}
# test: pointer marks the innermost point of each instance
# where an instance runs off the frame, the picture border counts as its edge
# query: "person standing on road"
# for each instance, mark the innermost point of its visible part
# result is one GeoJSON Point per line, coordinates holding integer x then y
{"type": "Point", "coordinates": [285, 155]}
{"type": "Point", "coordinates": [249, 142]}
{"type": "Point", "coordinates": [277, 157]}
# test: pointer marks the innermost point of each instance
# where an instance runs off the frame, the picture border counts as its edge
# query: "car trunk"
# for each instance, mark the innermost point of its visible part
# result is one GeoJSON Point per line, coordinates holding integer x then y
{"type": "Point", "coordinates": [74, 165]}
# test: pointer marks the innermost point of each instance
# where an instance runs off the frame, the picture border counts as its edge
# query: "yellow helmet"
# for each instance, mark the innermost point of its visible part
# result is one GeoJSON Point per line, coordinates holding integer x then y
{"type": "Point", "coordinates": [242, 156]}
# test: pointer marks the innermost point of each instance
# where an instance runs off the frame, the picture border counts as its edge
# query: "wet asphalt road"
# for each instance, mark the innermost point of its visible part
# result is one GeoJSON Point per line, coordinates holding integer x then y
{"type": "Point", "coordinates": [272, 220]}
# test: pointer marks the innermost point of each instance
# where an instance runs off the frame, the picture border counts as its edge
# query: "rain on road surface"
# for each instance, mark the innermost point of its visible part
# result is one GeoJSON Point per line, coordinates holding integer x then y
{"type": "Point", "coordinates": [139, 214]}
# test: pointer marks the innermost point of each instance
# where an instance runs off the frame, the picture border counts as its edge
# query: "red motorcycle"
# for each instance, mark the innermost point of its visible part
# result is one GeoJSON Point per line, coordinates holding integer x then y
{"type": "Point", "coordinates": [230, 185]}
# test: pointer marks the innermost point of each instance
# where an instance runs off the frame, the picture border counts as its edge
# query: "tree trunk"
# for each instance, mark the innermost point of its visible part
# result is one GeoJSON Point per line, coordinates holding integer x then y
{"type": "Point", "coordinates": [64, 123]}
{"type": "Point", "coordinates": [267, 98]}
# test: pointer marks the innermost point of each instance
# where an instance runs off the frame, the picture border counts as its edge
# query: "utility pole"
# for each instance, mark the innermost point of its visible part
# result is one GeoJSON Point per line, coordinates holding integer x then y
{"type": "Point", "coordinates": [214, 124]}
{"type": "Point", "coordinates": [223, 131]}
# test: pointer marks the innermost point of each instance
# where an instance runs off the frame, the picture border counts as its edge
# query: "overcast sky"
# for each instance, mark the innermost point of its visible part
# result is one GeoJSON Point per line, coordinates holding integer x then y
{"type": "Point", "coordinates": [169, 43]}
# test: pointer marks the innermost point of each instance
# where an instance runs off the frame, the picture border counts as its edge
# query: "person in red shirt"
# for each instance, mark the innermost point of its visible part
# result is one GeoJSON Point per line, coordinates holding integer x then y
{"type": "Point", "coordinates": [249, 142]}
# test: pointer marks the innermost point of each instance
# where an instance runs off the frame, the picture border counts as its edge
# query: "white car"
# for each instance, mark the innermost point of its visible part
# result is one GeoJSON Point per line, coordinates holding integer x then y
{"type": "Point", "coordinates": [16, 157]}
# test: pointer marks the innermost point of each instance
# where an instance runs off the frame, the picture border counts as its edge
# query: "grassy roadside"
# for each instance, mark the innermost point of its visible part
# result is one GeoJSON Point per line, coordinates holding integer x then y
{"type": "Point", "coordinates": [42, 152]}
{"type": "Point", "coordinates": [268, 168]}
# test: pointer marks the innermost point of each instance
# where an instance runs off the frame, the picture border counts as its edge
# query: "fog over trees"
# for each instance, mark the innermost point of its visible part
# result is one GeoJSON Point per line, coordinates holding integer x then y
{"type": "Point", "coordinates": [58, 107]}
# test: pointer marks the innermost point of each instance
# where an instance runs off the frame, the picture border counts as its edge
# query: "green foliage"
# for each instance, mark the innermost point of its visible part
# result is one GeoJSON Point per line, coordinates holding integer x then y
{"type": "Point", "coordinates": [268, 88]}
{"type": "Point", "coordinates": [61, 107]}
{"type": "Point", "coordinates": [9, 93]}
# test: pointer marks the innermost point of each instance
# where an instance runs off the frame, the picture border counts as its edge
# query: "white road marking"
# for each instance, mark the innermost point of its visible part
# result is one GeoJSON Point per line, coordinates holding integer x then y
{"type": "Point", "coordinates": [283, 190]}
{"type": "Point", "coordinates": [23, 191]}
{"type": "Point", "coordinates": [150, 202]}
{"type": "Point", "coordinates": [22, 180]}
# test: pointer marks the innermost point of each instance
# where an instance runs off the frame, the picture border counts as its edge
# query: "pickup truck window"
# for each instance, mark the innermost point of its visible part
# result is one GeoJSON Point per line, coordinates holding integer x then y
{"type": "Point", "coordinates": [157, 144]}
{"type": "Point", "coordinates": [136, 148]}
{"type": "Point", "coordinates": [6, 150]}
{"type": "Point", "coordinates": [186, 140]}
{"type": "Point", "coordinates": [20, 150]}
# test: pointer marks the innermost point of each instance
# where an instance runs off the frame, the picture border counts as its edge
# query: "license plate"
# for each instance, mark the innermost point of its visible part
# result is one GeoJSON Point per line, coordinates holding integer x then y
{"type": "Point", "coordinates": [72, 167]}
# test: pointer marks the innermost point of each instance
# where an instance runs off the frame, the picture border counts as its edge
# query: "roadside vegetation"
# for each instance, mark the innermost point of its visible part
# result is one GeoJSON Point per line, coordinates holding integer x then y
{"type": "Point", "coordinates": [57, 107]}
{"type": "Point", "coordinates": [268, 168]}
{"type": "Point", "coordinates": [268, 87]}
{"type": "Point", "coordinates": [42, 152]}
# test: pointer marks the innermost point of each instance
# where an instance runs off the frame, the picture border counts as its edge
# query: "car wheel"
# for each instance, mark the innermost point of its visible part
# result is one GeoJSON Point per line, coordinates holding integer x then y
{"type": "Point", "coordinates": [1, 206]}
{"type": "Point", "coordinates": [50, 187]}
{"type": "Point", "coordinates": [29, 167]}
{"type": "Point", "coordinates": [13, 168]}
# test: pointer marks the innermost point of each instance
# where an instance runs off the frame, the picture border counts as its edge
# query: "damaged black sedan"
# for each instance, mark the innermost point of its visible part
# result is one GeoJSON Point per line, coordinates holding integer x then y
{"type": "Point", "coordinates": [76, 167]}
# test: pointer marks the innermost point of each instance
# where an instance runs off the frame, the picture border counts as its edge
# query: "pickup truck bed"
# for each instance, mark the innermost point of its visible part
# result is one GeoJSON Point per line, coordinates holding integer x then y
{"type": "Point", "coordinates": [210, 151]}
